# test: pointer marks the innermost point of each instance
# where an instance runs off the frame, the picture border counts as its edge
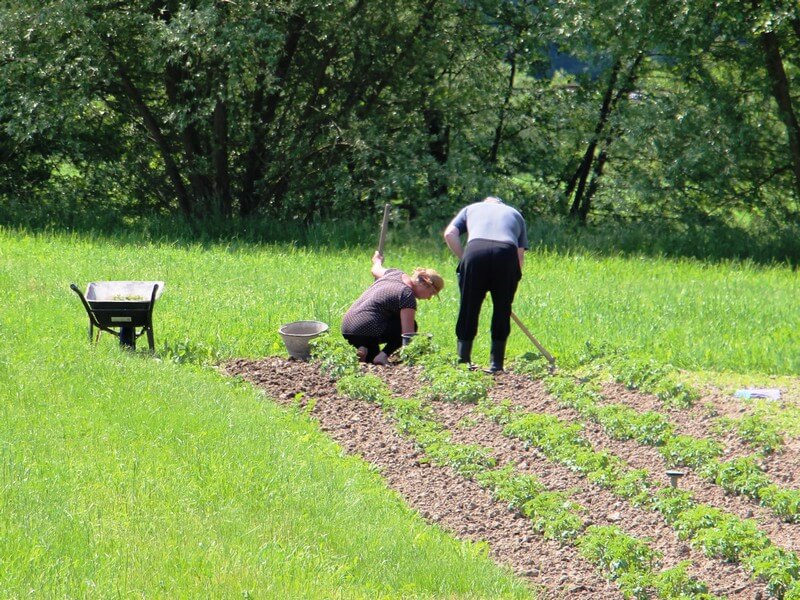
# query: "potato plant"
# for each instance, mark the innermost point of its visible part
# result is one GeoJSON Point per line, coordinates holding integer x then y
{"type": "Point", "coordinates": [552, 514]}
{"type": "Point", "coordinates": [453, 384]}
{"type": "Point", "coordinates": [760, 434]}
{"type": "Point", "coordinates": [715, 532]}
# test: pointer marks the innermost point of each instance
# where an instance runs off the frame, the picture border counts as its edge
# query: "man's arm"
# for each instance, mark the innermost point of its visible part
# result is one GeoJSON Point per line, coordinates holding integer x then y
{"type": "Point", "coordinates": [453, 239]}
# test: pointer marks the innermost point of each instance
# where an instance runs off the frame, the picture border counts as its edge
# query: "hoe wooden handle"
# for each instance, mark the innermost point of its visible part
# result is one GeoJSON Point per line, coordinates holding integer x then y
{"type": "Point", "coordinates": [536, 343]}
{"type": "Point", "coordinates": [384, 227]}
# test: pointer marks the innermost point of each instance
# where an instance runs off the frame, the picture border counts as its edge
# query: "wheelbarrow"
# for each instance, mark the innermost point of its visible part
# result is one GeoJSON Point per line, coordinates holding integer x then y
{"type": "Point", "coordinates": [120, 307]}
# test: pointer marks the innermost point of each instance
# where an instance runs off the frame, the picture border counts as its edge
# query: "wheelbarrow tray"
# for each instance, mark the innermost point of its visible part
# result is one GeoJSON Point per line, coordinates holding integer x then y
{"type": "Point", "coordinates": [122, 303]}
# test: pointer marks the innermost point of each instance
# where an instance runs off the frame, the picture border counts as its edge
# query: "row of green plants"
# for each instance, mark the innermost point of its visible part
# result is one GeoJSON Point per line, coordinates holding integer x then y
{"type": "Point", "coordinates": [622, 558]}
{"type": "Point", "coordinates": [664, 382]}
{"type": "Point", "coordinates": [646, 375]}
{"type": "Point", "coordinates": [761, 435]}
{"type": "Point", "coordinates": [741, 476]}
{"type": "Point", "coordinates": [715, 532]}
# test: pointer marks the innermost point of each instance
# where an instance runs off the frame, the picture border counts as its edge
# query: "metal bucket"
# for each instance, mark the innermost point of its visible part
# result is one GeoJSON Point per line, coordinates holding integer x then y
{"type": "Point", "coordinates": [297, 335]}
{"type": "Point", "coordinates": [410, 337]}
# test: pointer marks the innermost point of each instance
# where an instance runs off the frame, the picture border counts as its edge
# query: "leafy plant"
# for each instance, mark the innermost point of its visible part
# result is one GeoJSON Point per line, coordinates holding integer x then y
{"type": "Point", "coordinates": [187, 351]}
{"type": "Point", "coordinates": [554, 515]}
{"type": "Point", "coordinates": [500, 412]}
{"type": "Point", "coordinates": [739, 476]}
{"type": "Point", "coordinates": [616, 552]}
{"type": "Point", "coordinates": [366, 387]}
{"type": "Point", "coordinates": [760, 434]}
{"type": "Point", "coordinates": [514, 489]}
{"type": "Point", "coordinates": [532, 364]}
{"type": "Point", "coordinates": [453, 384]}
{"type": "Point", "coordinates": [624, 423]}
{"type": "Point", "coordinates": [784, 503]}
{"type": "Point", "coordinates": [336, 357]}
{"type": "Point", "coordinates": [672, 502]}
{"type": "Point", "coordinates": [719, 534]}
{"type": "Point", "coordinates": [421, 350]}
{"type": "Point", "coordinates": [779, 568]}
{"type": "Point", "coordinates": [677, 583]}
{"type": "Point", "coordinates": [689, 451]}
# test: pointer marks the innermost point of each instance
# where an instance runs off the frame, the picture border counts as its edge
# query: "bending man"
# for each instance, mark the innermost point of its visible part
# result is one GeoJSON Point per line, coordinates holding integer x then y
{"type": "Point", "coordinates": [497, 238]}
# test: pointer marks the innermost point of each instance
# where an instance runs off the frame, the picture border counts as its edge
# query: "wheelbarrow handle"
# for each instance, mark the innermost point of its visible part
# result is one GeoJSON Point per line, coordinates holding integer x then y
{"type": "Point", "coordinates": [88, 308]}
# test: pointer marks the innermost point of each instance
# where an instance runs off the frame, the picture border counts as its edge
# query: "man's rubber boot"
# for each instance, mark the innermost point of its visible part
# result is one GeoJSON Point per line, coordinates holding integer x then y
{"type": "Point", "coordinates": [497, 355]}
{"type": "Point", "coordinates": [464, 349]}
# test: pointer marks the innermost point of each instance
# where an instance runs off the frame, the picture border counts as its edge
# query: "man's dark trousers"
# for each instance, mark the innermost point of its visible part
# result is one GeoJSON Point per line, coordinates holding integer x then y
{"type": "Point", "coordinates": [493, 267]}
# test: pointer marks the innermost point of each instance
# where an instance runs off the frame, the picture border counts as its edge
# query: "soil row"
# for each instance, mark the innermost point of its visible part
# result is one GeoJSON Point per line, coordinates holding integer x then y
{"type": "Point", "coordinates": [699, 421]}
{"type": "Point", "coordinates": [439, 495]}
{"type": "Point", "coordinates": [469, 512]}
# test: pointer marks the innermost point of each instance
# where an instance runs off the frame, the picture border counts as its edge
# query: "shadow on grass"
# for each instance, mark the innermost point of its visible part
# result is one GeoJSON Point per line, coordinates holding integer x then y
{"type": "Point", "coordinates": [712, 241]}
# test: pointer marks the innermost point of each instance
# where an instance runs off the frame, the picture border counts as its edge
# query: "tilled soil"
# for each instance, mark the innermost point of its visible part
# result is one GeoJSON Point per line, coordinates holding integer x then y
{"type": "Point", "coordinates": [468, 511]}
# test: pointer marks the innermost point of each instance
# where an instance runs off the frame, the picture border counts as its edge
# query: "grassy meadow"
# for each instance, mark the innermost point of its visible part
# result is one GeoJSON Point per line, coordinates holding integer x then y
{"type": "Point", "coordinates": [124, 475]}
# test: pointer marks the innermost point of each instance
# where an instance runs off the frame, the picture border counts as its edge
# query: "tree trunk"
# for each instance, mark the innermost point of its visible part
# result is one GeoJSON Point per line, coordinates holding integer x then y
{"type": "Point", "coordinates": [780, 91]}
{"type": "Point", "coordinates": [154, 129]}
{"type": "Point", "coordinates": [498, 132]}
{"type": "Point", "coordinates": [263, 111]}
{"type": "Point", "coordinates": [582, 201]}
{"type": "Point", "coordinates": [439, 148]}
{"type": "Point", "coordinates": [222, 184]}
{"type": "Point", "coordinates": [597, 173]}
{"type": "Point", "coordinates": [584, 168]}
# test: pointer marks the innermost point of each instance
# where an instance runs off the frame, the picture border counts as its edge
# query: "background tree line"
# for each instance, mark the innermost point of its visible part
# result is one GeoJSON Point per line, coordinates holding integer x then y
{"type": "Point", "coordinates": [685, 110]}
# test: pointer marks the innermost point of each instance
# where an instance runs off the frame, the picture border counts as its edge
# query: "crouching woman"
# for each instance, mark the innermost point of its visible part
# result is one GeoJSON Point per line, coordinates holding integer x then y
{"type": "Point", "coordinates": [387, 310]}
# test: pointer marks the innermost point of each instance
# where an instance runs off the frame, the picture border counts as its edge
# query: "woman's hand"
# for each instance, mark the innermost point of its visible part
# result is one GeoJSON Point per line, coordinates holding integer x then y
{"type": "Point", "coordinates": [377, 265]}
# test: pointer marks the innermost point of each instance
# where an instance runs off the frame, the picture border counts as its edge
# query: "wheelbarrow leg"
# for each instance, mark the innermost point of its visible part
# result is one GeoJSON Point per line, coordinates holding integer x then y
{"type": "Point", "coordinates": [151, 342]}
{"type": "Point", "coordinates": [91, 332]}
{"type": "Point", "coordinates": [127, 337]}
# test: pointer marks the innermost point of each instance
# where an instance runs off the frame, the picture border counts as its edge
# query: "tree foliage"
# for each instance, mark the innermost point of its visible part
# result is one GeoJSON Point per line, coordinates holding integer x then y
{"type": "Point", "coordinates": [306, 108]}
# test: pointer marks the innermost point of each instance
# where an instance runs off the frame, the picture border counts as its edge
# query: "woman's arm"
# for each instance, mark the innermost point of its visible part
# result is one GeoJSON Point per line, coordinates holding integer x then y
{"type": "Point", "coordinates": [407, 320]}
{"type": "Point", "coordinates": [378, 269]}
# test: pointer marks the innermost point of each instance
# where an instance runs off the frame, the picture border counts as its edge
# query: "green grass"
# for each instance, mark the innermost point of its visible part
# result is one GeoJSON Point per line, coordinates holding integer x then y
{"type": "Point", "coordinates": [726, 317]}
{"type": "Point", "coordinates": [122, 475]}
{"type": "Point", "coordinates": [126, 476]}
{"type": "Point", "coordinates": [231, 299]}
